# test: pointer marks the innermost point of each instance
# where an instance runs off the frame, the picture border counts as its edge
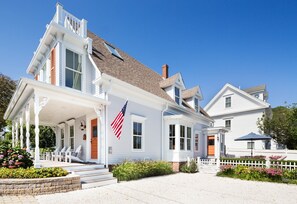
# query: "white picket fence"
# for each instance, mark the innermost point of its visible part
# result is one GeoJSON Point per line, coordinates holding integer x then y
{"type": "Point", "coordinates": [280, 164]}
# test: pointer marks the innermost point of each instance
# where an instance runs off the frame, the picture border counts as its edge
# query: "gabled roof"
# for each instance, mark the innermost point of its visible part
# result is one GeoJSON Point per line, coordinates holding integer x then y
{"type": "Point", "coordinates": [169, 81]}
{"type": "Point", "coordinates": [189, 93]}
{"type": "Point", "coordinates": [229, 86]}
{"type": "Point", "coordinates": [126, 69]}
{"type": "Point", "coordinates": [255, 89]}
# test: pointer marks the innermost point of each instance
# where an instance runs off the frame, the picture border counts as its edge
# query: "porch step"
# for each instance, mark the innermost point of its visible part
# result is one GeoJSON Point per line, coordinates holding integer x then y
{"type": "Point", "coordinates": [93, 175]}
{"type": "Point", "coordinates": [84, 167]}
{"type": "Point", "coordinates": [98, 182]}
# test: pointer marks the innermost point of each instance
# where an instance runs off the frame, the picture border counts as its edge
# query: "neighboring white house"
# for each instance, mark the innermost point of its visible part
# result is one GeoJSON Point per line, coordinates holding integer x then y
{"type": "Point", "coordinates": [239, 110]}
{"type": "Point", "coordinates": [82, 82]}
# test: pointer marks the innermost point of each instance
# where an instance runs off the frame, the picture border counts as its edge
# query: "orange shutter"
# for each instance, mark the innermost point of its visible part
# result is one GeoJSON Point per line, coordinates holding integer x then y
{"type": "Point", "coordinates": [36, 77]}
{"type": "Point", "coordinates": [53, 66]}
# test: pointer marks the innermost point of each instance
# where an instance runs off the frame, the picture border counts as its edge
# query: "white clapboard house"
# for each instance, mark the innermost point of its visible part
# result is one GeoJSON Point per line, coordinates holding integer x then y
{"type": "Point", "coordinates": [239, 110]}
{"type": "Point", "coordinates": [81, 84]}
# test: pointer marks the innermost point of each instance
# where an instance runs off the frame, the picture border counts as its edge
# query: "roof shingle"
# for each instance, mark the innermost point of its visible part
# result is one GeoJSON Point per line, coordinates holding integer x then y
{"type": "Point", "coordinates": [127, 69]}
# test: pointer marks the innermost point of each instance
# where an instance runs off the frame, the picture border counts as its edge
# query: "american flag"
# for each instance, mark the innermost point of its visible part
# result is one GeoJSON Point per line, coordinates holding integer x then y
{"type": "Point", "coordinates": [117, 123]}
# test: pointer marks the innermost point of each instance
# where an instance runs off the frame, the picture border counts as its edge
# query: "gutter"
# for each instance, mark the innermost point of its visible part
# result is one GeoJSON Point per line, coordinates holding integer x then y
{"type": "Point", "coordinates": [162, 136]}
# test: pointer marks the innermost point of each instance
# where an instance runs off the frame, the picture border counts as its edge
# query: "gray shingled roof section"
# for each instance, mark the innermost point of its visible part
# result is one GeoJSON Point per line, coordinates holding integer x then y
{"type": "Point", "coordinates": [127, 69]}
{"type": "Point", "coordinates": [188, 93]}
{"type": "Point", "coordinates": [169, 81]}
{"type": "Point", "coordinates": [255, 89]}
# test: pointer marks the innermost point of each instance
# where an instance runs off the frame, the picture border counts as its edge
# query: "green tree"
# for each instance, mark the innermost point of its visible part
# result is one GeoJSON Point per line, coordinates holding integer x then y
{"type": "Point", "coordinates": [7, 88]}
{"type": "Point", "coordinates": [282, 125]}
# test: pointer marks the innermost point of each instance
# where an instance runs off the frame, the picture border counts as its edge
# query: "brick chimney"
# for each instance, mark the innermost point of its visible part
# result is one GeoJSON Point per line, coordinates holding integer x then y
{"type": "Point", "coordinates": [165, 71]}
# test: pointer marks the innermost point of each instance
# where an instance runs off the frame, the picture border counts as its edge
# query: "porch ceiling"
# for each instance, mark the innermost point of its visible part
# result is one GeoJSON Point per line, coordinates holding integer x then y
{"type": "Point", "coordinates": [62, 103]}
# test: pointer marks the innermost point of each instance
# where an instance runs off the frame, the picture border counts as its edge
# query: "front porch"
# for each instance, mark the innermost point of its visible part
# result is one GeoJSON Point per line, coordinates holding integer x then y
{"type": "Point", "coordinates": [67, 111]}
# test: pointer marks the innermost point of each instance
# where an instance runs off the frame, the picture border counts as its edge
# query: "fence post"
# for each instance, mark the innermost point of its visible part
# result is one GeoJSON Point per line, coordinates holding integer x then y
{"type": "Point", "coordinates": [188, 161]}
{"type": "Point", "coordinates": [198, 162]}
{"type": "Point", "coordinates": [218, 164]}
{"type": "Point", "coordinates": [267, 162]}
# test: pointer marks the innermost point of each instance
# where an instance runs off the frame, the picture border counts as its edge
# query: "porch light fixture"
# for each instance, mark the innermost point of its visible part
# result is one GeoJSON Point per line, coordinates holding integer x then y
{"type": "Point", "coordinates": [82, 125]}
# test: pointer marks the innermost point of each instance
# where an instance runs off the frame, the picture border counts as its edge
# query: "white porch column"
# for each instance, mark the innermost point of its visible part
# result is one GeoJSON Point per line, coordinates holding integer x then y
{"type": "Point", "coordinates": [27, 128]}
{"type": "Point", "coordinates": [12, 134]}
{"type": "Point", "coordinates": [102, 136]}
{"type": "Point", "coordinates": [21, 131]}
{"type": "Point", "coordinates": [37, 108]}
{"type": "Point", "coordinates": [16, 133]}
{"type": "Point", "coordinates": [36, 112]}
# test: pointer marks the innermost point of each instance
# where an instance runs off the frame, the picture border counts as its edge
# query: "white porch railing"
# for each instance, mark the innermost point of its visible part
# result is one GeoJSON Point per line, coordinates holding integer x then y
{"type": "Point", "coordinates": [70, 22]}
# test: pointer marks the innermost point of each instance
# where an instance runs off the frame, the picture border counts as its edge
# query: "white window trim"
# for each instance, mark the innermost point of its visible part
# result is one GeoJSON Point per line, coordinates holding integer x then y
{"type": "Point", "coordinates": [63, 128]}
{"type": "Point", "coordinates": [174, 87]}
{"type": "Point", "coordinates": [69, 138]}
{"type": "Point", "coordinates": [199, 135]}
{"type": "Point", "coordinates": [83, 71]}
{"type": "Point", "coordinates": [138, 119]}
{"type": "Point", "coordinates": [225, 102]}
{"type": "Point", "coordinates": [198, 108]}
{"type": "Point", "coordinates": [175, 149]}
{"type": "Point", "coordinates": [185, 137]}
{"type": "Point", "coordinates": [70, 122]}
{"type": "Point", "coordinates": [191, 145]}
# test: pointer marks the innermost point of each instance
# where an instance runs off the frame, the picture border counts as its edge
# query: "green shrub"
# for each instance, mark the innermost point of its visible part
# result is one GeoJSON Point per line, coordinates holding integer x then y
{"type": "Point", "coordinates": [192, 168]}
{"type": "Point", "coordinates": [136, 170]}
{"type": "Point", "coordinates": [22, 173]}
{"type": "Point", "coordinates": [290, 174]}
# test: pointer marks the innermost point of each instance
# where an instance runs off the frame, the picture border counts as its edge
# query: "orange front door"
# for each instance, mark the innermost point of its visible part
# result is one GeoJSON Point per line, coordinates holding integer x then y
{"type": "Point", "coordinates": [94, 139]}
{"type": "Point", "coordinates": [210, 145]}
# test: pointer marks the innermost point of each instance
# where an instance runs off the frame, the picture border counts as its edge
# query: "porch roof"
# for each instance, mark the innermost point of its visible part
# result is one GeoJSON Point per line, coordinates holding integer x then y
{"type": "Point", "coordinates": [62, 103]}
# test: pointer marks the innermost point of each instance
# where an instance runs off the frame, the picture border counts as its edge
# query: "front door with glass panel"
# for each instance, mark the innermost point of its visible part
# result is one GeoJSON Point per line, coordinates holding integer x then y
{"type": "Point", "coordinates": [94, 139]}
{"type": "Point", "coordinates": [210, 145]}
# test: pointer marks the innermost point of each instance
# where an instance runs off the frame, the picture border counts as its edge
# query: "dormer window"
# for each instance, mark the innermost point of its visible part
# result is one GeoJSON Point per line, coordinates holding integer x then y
{"type": "Point", "coordinates": [196, 104]}
{"type": "Point", "coordinates": [228, 102]}
{"type": "Point", "coordinates": [73, 70]}
{"type": "Point", "coordinates": [177, 95]}
{"type": "Point", "coordinates": [112, 50]}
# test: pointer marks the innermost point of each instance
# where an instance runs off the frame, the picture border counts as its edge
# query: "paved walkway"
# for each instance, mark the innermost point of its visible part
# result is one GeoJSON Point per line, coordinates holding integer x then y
{"type": "Point", "coordinates": [178, 188]}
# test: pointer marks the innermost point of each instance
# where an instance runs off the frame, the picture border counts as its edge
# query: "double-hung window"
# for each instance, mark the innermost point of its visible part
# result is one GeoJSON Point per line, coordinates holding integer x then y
{"type": "Point", "coordinates": [137, 136]}
{"type": "Point", "coordinates": [189, 137]}
{"type": "Point", "coordinates": [62, 137]}
{"type": "Point", "coordinates": [73, 71]}
{"type": "Point", "coordinates": [196, 104]}
{"type": "Point", "coordinates": [71, 136]}
{"type": "Point", "coordinates": [196, 142]}
{"type": "Point", "coordinates": [182, 137]}
{"type": "Point", "coordinates": [177, 95]}
{"type": "Point", "coordinates": [228, 124]}
{"type": "Point", "coordinates": [228, 102]}
{"type": "Point", "coordinates": [172, 137]}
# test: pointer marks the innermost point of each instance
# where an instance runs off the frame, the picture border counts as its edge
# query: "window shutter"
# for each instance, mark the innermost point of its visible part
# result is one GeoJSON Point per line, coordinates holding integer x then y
{"type": "Point", "coordinates": [53, 66]}
{"type": "Point", "coordinates": [36, 77]}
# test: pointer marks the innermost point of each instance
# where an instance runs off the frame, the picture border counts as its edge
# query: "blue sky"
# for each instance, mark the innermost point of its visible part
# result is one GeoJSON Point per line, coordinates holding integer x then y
{"type": "Point", "coordinates": [211, 42]}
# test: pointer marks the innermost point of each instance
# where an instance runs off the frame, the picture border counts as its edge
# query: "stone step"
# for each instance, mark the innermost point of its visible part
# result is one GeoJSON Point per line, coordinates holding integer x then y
{"type": "Point", "coordinates": [98, 183]}
{"type": "Point", "coordinates": [92, 177]}
{"type": "Point", "coordinates": [90, 171]}
{"type": "Point", "coordinates": [84, 167]}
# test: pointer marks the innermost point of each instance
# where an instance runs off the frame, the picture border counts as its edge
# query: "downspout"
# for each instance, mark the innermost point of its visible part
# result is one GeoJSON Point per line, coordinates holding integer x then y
{"type": "Point", "coordinates": [106, 124]}
{"type": "Point", "coordinates": [163, 131]}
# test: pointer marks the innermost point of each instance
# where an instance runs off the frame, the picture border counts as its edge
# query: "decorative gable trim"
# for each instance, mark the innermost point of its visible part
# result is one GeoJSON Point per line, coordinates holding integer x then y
{"type": "Point", "coordinates": [227, 86]}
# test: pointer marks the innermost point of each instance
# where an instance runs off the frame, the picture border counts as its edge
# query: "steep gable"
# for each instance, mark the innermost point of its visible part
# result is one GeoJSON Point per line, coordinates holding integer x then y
{"type": "Point", "coordinates": [240, 102]}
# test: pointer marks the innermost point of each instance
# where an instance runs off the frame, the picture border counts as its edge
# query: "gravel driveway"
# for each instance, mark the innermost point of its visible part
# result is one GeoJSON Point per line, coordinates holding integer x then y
{"type": "Point", "coordinates": [180, 188]}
